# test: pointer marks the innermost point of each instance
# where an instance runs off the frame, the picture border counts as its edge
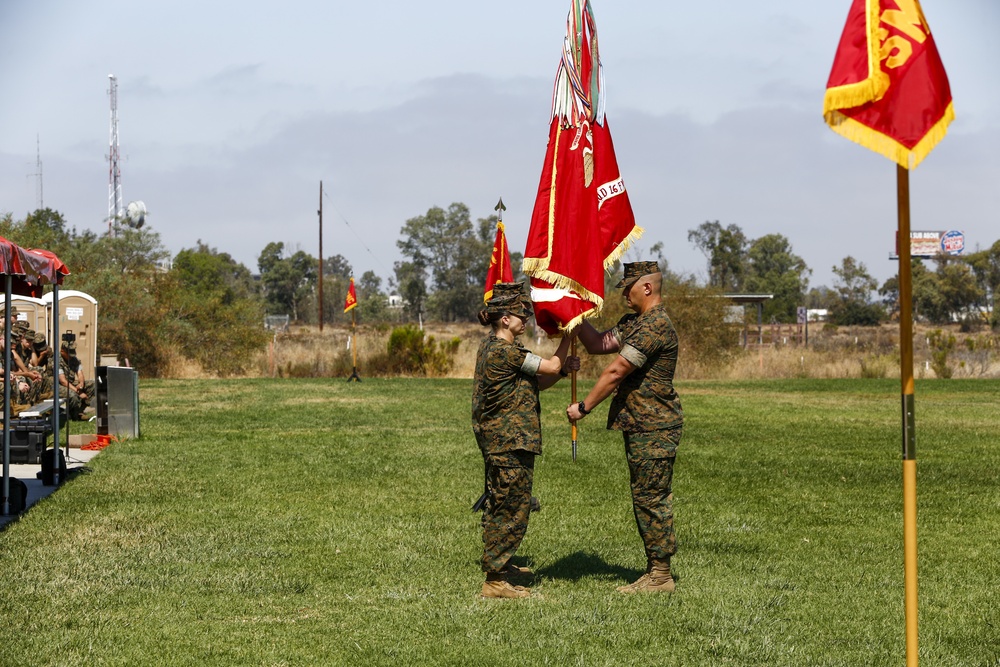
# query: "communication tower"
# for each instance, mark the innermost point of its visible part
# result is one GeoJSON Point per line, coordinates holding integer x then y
{"type": "Point", "coordinates": [38, 174]}
{"type": "Point", "coordinates": [115, 206]}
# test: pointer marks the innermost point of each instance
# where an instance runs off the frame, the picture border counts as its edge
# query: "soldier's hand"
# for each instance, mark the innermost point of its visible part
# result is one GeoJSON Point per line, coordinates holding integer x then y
{"type": "Point", "coordinates": [573, 413]}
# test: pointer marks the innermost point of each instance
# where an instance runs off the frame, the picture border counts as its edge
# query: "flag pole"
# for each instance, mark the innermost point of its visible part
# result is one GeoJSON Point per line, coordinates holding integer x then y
{"type": "Point", "coordinates": [354, 350]}
{"type": "Point", "coordinates": [320, 213]}
{"type": "Point", "coordinates": [573, 398]}
{"type": "Point", "coordinates": [908, 422]}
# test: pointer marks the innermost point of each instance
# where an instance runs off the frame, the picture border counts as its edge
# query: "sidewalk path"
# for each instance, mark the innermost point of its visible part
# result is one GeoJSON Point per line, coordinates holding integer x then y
{"type": "Point", "coordinates": [28, 473]}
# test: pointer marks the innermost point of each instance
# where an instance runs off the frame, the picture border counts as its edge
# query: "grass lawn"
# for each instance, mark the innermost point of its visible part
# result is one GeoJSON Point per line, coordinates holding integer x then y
{"type": "Point", "coordinates": [308, 522]}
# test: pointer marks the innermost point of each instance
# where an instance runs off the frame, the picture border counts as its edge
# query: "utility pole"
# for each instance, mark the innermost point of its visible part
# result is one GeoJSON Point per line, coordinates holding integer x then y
{"type": "Point", "coordinates": [320, 212]}
{"type": "Point", "coordinates": [115, 207]}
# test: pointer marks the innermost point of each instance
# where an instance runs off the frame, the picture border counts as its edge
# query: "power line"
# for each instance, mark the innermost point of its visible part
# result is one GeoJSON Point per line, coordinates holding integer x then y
{"type": "Point", "coordinates": [358, 236]}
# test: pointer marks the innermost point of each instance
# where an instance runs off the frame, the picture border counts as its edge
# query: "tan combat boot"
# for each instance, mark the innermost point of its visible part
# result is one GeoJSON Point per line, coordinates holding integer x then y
{"type": "Point", "coordinates": [497, 587]}
{"type": "Point", "coordinates": [656, 580]}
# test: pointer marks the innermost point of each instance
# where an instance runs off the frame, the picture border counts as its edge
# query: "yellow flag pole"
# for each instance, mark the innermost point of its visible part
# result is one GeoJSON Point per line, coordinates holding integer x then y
{"type": "Point", "coordinates": [354, 350]}
{"type": "Point", "coordinates": [573, 389]}
{"type": "Point", "coordinates": [909, 427]}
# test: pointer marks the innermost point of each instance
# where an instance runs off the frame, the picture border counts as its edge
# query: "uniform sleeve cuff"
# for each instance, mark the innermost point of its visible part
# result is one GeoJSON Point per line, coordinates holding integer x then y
{"type": "Point", "coordinates": [633, 356]}
{"type": "Point", "coordinates": [531, 364]}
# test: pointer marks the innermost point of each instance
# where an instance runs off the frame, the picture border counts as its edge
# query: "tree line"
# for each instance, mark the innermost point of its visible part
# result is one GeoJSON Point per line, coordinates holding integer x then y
{"type": "Point", "coordinates": [203, 305]}
{"type": "Point", "coordinates": [960, 288]}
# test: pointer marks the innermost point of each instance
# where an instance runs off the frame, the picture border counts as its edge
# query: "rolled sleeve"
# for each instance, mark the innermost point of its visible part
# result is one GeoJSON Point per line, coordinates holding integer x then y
{"type": "Point", "coordinates": [633, 356]}
{"type": "Point", "coordinates": [531, 363]}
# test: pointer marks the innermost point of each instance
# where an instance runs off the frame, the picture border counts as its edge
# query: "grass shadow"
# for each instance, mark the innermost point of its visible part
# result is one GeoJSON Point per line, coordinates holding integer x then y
{"type": "Point", "coordinates": [580, 564]}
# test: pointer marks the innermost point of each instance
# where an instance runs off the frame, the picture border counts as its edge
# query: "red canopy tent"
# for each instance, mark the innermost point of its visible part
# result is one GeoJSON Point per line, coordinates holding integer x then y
{"type": "Point", "coordinates": [26, 271]}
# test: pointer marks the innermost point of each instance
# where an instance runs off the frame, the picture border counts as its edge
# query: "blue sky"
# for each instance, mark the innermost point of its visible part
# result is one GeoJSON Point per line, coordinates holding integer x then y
{"type": "Point", "coordinates": [231, 114]}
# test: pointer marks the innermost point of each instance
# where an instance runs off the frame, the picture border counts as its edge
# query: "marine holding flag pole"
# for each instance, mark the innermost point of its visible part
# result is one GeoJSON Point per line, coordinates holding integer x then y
{"type": "Point", "coordinates": [582, 222]}
{"type": "Point", "coordinates": [888, 91]}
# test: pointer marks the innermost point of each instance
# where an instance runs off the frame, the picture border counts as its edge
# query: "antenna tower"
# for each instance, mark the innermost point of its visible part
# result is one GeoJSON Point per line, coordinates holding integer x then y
{"type": "Point", "coordinates": [115, 206]}
{"type": "Point", "coordinates": [38, 174]}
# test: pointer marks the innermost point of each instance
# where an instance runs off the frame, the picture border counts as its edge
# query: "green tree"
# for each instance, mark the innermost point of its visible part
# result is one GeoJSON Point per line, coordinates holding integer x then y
{"type": "Point", "coordinates": [854, 287]}
{"type": "Point", "coordinates": [985, 266]}
{"type": "Point", "coordinates": [774, 269]}
{"type": "Point", "coordinates": [216, 310]}
{"type": "Point", "coordinates": [289, 281]}
{"type": "Point", "coordinates": [337, 273]}
{"type": "Point", "coordinates": [959, 291]}
{"type": "Point", "coordinates": [919, 284]}
{"type": "Point", "coordinates": [411, 285]}
{"type": "Point", "coordinates": [455, 253]}
{"type": "Point", "coordinates": [726, 251]}
{"type": "Point", "coordinates": [373, 306]}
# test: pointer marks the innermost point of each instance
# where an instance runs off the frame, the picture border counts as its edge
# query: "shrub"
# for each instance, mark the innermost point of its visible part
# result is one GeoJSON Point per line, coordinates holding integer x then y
{"type": "Point", "coordinates": [410, 352]}
{"type": "Point", "coordinates": [941, 345]}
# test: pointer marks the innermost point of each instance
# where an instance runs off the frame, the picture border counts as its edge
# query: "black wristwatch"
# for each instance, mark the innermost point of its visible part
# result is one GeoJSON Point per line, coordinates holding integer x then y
{"type": "Point", "coordinates": [582, 407]}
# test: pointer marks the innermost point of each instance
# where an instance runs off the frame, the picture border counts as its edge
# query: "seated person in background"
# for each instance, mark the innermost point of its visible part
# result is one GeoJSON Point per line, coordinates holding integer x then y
{"type": "Point", "coordinates": [80, 391]}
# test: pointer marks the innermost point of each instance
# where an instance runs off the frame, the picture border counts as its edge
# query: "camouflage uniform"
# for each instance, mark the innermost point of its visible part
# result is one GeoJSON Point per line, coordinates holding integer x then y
{"type": "Point", "coordinates": [46, 366]}
{"type": "Point", "coordinates": [69, 368]}
{"type": "Point", "coordinates": [506, 420]}
{"type": "Point", "coordinates": [646, 408]}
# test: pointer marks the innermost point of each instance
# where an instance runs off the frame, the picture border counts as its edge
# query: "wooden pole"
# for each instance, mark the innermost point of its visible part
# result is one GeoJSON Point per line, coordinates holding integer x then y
{"type": "Point", "coordinates": [573, 430]}
{"type": "Point", "coordinates": [354, 337]}
{"type": "Point", "coordinates": [320, 212]}
{"type": "Point", "coordinates": [909, 429]}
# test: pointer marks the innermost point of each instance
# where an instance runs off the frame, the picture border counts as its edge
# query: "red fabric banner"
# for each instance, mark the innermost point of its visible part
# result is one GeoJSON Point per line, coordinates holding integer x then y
{"type": "Point", "coordinates": [500, 270]}
{"type": "Point", "coordinates": [582, 221]}
{"type": "Point", "coordinates": [888, 90]}
{"type": "Point", "coordinates": [352, 297]}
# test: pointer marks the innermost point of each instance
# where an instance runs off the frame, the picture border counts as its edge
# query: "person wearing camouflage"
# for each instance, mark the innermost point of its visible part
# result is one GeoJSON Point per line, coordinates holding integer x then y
{"type": "Point", "coordinates": [506, 422]}
{"type": "Point", "coordinates": [647, 411]}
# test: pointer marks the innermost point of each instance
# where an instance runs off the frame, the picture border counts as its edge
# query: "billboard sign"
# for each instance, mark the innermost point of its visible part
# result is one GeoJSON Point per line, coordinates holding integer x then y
{"type": "Point", "coordinates": [928, 245]}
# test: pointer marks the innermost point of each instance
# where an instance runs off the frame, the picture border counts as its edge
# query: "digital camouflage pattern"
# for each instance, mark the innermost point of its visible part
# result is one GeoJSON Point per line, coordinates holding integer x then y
{"type": "Point", "coordinates": [646, 400]}
{"type": "Point", "coordinates": [646, 407]}
{"type": "Point", "coordinates": [509, 479]}
{"type": "Point", "coordinates": [505, 408]}
{"type": "Point", "coordinates": [651, 480]}
{"type": "Point", "coordinates": [507, 424]}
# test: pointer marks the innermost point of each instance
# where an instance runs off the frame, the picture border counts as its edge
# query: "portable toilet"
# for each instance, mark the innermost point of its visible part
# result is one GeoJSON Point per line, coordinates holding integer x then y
{"type": "Point", "coordinates": [33, 311]}
{"type": "Point", "coordinates": [77, 315]}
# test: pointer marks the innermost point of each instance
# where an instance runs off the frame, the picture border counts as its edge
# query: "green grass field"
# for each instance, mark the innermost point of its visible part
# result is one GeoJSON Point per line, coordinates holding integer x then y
{"type": "Point", "coordinates": [308, 522]}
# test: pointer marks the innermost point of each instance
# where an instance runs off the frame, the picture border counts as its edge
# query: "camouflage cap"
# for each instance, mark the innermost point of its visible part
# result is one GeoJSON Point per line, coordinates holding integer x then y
{"type": "Point", "coordinates": [70, 347]}
{"type": "Point", "coordinates": [636, 270]}
{"type": "Point", "coordinates": [29, 334]}
{"type": "Point", "coordinates": [39, 341]}
{"type": "Point", "coordinates": [509, 298]}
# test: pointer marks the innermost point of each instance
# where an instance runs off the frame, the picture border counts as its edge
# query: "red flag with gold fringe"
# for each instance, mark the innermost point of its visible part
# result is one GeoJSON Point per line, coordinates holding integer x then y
{"type": "Point", "coordinates": [352, 297]}
{"type": "Point", "coordinates": [888, 90]}
{"type": "Point", "coordinates": [500, 270]}
{"type": "Point", "coordinates": [582, 221]}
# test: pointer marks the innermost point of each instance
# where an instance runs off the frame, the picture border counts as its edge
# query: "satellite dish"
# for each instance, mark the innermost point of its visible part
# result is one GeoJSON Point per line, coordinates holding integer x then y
{"type": "Point", "coordinates": [135, 214]}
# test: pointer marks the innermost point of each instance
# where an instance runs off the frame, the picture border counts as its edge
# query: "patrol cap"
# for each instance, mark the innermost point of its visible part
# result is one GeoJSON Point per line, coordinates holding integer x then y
{"type": "Point", "coordinates": [635, 270]}
{"type": "Point", "coordinates": [509, 298]}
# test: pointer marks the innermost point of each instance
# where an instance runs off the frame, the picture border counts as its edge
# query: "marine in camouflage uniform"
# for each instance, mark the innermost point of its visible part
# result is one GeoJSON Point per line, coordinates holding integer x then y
{"type": "Point", "coordinates": [27, 382]}
{"type": "Point", "coordinates": [647, 410]}
{"type": "Point", "coordinates": [77, 398]}
{"type": "Point", "coordinates": [43, 363]}
{"type": "Point", "coordinates": [507, 425]}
